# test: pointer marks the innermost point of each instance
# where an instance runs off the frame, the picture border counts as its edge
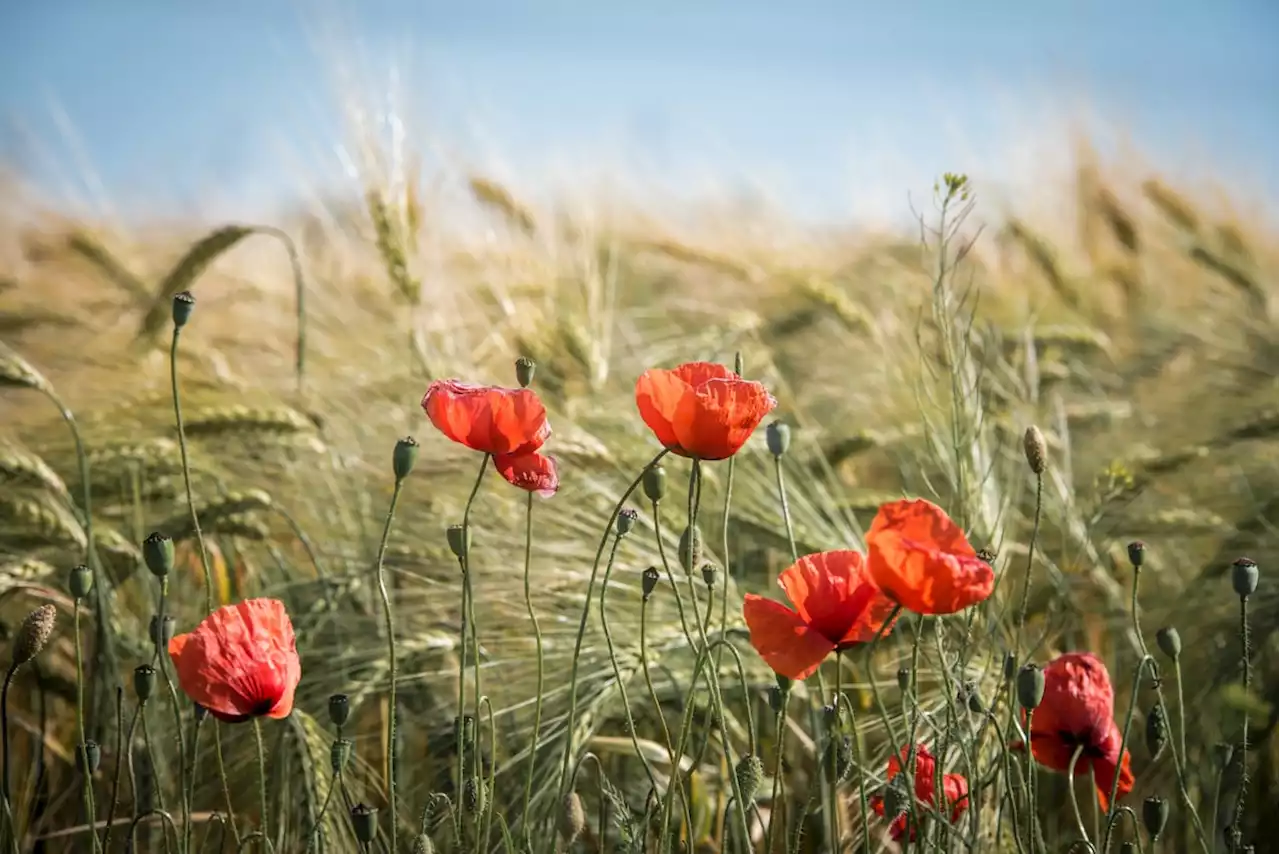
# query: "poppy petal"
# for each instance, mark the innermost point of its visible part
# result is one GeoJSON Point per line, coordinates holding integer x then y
{"type": "Point", "coordinates": [783, 639]}
{"type": "Point", "coordinates": [921, 559]}
{"type": "Point", "coordinates": [658, 396]}
{"type": "Point", "coordinates": [531, 472]}
{"type": "Point", "coordinates": [715, 421]}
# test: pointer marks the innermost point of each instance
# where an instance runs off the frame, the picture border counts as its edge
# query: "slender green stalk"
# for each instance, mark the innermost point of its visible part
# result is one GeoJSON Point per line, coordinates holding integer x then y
{"type": "Point", "coordinates": [91, 812]}
{"type": "Point", "coordinates": [389, 622]}
{"type": "Point", "coordinates": [262, 778]}
{"type": "Point", "coordinates": [115, 784]}
{"type": "Point", "coordinates": [537, 639]}
{"type": "Point", "coordinates": [571, 721]}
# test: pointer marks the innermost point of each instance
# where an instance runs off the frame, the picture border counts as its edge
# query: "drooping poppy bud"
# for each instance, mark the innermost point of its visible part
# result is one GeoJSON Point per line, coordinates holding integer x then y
{"type": "Point", "coordinates": [525, 369]}
{"type": "Point", "coordinates": [1155, 815]}
{"type": "Point", "coordinates": [1244, 577]}
{"type": "Point", "coordinates": [183, 304]}
{"type": "Point", "coordinates": [648, 582]}
{"type": "Point", "coordinates": [404, 457]}
{"type": "Point", "coordinates": [80, 581]}
{"type": "Point", "coordinates": [778, 437]}
{"type": "Point", "coordinates": [1030, 686]}
{"type": "Point", "coordinates": [654, 483]}
{"type": "Point", "coordinates": [157, 553]}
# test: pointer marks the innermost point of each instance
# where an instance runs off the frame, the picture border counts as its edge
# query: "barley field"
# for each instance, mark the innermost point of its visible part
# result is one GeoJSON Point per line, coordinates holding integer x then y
{"type": "Point", "coordinates": [199, 414]}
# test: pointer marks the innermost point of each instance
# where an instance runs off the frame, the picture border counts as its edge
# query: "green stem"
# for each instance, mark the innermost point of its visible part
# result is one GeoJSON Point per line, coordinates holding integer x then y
{"type": "Point", "coordinates": [262, 778]}
{"type": "Point", "coordinates": [571, 721]}
{"type": "Point", "coordinates": [389, 623]}
{"type": "Point", "coordinates": [537, 638]}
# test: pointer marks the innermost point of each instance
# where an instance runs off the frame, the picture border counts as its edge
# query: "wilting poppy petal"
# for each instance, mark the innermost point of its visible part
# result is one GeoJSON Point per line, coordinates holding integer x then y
{"type": "Point", "coordinates": [488, 419]}
{"type": "Point", "coordinates": [783, 639]}
{"type": "Point", "coordinates": [241, 662]}
{"type": "Point", "coordinates": [531, 472]}
{"type": "Point", "coordinates": [833, 593]}
{"type": "Point", "coordinates": [921, 559]}
{"type": "Point", "coordinates": [701, 409]}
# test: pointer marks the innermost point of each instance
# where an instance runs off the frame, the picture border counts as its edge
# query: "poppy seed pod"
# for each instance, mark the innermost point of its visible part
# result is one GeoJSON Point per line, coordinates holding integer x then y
{"type": "Point", "coordinates": [749, 772]}
{"type": "Point", "coordinates": [339, 753]}
{"type": "Point", "coordinates": [904, 679]}
{"type": "Point", "coordinates": [1170, 642]}
{"type": "Point", "coordinates": [183, 304]}
{"type": "Point", "coordinates": [157, 553]}
{"type": "Point", "coordinates": [654, 482]}
{"type": "Point", "coordinates": [34, 634]}
{"type": "Point", "coordinates": [1155, 815]}
{"type": "Point", "coordinates": [1157, 731]}
{"type": "Point", "coordinates": [160, 629]}
{"type": "Point", "coordinates": [709, 573]}
{"type": "Point", "coordinates": [404, 456]}
{"type": "Point", "coordinates": [690, 549]}
{"type": "Point", "coordinates": [625, 522]}
{"type": "Point", "coordinates": [1030, 686]}
{"type": "Point", "coordinates": [364, 821]}
{"type": "Point", "coordinates": [459, 540]}
{"type": "Point", "coordinates": [525, 369]}
{"type": "Point", "coordinates": [1137, 552]}
{"type": "Point", "coordinates": [88, 757]}
{"type": "Point", "coordinates": [648, 583]}
{"type": "Point", "coordinates": [422, 844]}
{"type": "Point", "coordinates": [778, 437]}
{"type": "Point", "coordinates": [339, 709]}
{"type": "Point", "coordinates": [1244, 577]}
{"type": "Point", "coordinates": [80, 581]}
{"type": "Point", "coordinates": [572, 820]}
{"type": "Point", "coordinates": [144, 681]}
{"type": "Point", "coordinates": [1035, 448]}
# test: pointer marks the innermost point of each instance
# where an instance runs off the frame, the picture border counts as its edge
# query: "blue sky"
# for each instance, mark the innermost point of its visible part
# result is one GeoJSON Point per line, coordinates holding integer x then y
{"type": "Point", "coordinates": [835, 107]}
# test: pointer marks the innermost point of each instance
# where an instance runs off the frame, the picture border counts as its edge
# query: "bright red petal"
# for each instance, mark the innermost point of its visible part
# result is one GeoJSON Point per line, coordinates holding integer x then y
{"type": "Point", "coordinates": [715, 421]}
{"type": "Point", "coordinates": [658, 396]}
{"type": "Point", "coordinates": [531, 472]}
{"type": "Point", "coordinates": [783, 639]}
{"type": "Point", "coordinates": [488, 419]}
{"type": "Point", "coordinates": [921, 559]}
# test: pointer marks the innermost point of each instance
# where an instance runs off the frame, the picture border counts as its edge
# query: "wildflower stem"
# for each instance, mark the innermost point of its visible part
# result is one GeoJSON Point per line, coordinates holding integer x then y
{"type": "Point", "coordinates": [389, 624]}
{"type": "Point", "coordinates": [537, 639]}
{"type": "Point", "coordinates": [571, 720]}
{"type": "Point", "coordinates": [1238, 820]}
{"type": "Point", "coordinates": [262, 777]}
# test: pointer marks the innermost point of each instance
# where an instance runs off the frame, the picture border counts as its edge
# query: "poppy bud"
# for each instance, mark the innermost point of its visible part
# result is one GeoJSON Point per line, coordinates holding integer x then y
{"type": "Point", "coordinates": [473, 795]}
{"type": "Point", "coordinates": [157, 553]}
{"type": "Point", "coordinates": [648, 582]}
{"type": "Point", "coordinates": [1030, 686]}
{"type": "Point", "coordinates": [655, 483]}
{"type": "Point", "coordinates": [987, 556]}
{"type": "Point", "coordinates": [33, 634]}
{"type": "Point", "coordinates": [525, 369]}
{"type": "Point", "coordinates": [423, 845]}
{"type": "Point", "coordinates": [690, 549]}
{"type": "Point", "coordinates": [1137, 551]}
{"type": "Point", "coordinates": [80, 581]}
{"type": "Point", "coordinates": [1244, 577]}
{"type": "Point", "coordinates": [904, 679]}
{"type": "Point", "coordinates": [1222, 754]}
{"type": "Point", "coordinates": [144, 681]}
{"type": "Point", "coordinates": [88, 757]}
{"type": "Point", "coordinates": [339, 709]}
{"type": "Point", "coordinates": [161, 630]}
{"type": "Point", "coordinates": [709, 574]}
{"type": "Point", "coordinates": [404, 456]}
{"type": "Point", "coordinates": [183, 304]}
{"type": "Point", "coordinates": [1155, 814]}
{"type": "Point", "coordinates": [777, 699]}
{"type": "Point", "coordinates": [625, 522]}
{"type": "Point", "coordinates": [364, 821]}
{"type": "Point", "coordinates": [1170, 642]}
{"type": "Point", "coordinates": [778, 437]}
{"type": "Point", "coordinates": [1010, 666]}
{"type": "Point", "coordinates": [749, 772]}
{"type": "Point", "coordinates": [1157, 731]}
{"type": "Point", "coordinates": [572, 820]}
{"type": "Point", "coordinates": [895, 800]}
{"type": "Point", "coordinates": [1033, 445]}
{"type": "Point", "coordinates": [339, 753]}
{"type": "Point", "coordinates": [459, 540]}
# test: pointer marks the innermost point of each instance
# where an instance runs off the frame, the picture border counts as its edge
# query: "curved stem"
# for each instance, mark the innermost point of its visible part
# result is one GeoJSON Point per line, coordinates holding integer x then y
{"type": "Point", "coordinates": [391, 659]}
{"type": "Point", "coordinates": [537, 639]}
{"type": "Point", "coordinates": [572, 718]}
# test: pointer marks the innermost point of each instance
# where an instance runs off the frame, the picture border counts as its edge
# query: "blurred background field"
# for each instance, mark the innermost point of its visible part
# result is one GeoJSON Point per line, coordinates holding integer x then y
{"type": "Point", "coordinates": [1125, 305]}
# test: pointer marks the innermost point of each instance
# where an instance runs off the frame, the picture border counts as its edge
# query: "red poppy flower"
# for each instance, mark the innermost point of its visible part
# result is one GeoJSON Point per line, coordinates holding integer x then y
{"type": "Point", "coordinates": [955, 788]}
{"type": "Point", "coordinates": [837, 606]}
{"type": "Point", "coordinates": [531, 472]}
{"type": "Point", "coordinates": [1078, 710]}
{"type": "Point", "coordinates": [489, 419]}
{"type": "Point", "coordinates": [701, 409]}
{"type": "Point", "coordinates": [921, 559]}
{"type": "Point", "coordinates": [240, 662]}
